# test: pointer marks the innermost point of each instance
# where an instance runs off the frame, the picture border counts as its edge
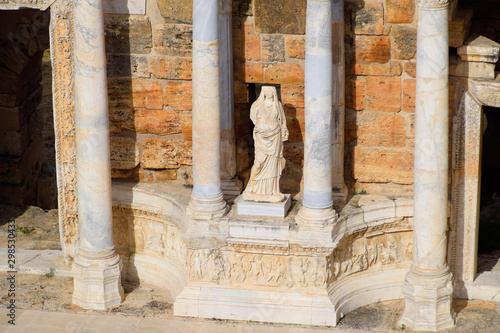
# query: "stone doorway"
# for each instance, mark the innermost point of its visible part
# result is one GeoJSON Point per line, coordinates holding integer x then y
{"type": "Point", "coordinates": [27, 153]}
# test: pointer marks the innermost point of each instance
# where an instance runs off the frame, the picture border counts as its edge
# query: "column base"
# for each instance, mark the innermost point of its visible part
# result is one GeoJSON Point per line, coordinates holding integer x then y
{"type": "Point", "coordinates": [428, 300]}
{"type": "Point", "coordinates": [97, 281]}
{"type": "Point", "coordinates": [231, 186]}
{"type": "Point", "coordinates": [339, 195]}
{"type": "Point", "coordinates": [206, 208]}
{"type": "Point", "coordinates": [315, 226]}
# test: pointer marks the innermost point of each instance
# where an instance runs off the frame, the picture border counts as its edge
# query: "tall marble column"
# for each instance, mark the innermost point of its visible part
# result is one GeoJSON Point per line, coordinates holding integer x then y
{"type": "Point", "coordinates": [97, 267]}
{"type": "Point", "coordinates": [206, 200]}
{"type": "Point", "coordinates": [428, 286]}
{"type": "Point", "coordinates": [230, 183]}
{"type": "Point", "coordinates": [338, 102]}
{"type": "Point", "coordinates": [316, 212]}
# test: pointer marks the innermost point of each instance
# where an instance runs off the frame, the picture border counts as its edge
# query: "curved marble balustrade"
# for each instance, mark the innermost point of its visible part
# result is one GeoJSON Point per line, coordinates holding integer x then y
{"type": "Point", "coordinates": [203, 269]}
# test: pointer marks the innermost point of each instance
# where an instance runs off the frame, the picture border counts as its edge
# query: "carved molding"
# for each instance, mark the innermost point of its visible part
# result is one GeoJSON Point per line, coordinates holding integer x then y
{"type": "Point", "coordinates": [229, 268]}
{"type": "Point", "coordinates": [137, 231]}
{"type": "Point", "coordinates": [433, 3]}
{"type": "Point", "coordinates": [61, 46]}
{"type": "Point", "coordinates": [19, 4]}
{"type": "Point", "coordinates": [362, 251]}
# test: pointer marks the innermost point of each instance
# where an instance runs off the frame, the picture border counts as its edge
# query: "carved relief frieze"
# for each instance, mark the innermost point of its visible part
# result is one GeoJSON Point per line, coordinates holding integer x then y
{"type": "Point", "coordinates": [139, 231]}
{"type": "Point", "coordinates": [358, 253]}
{"type": "Point", "coordinates": [61, 41]}
{"type": "Point", "coordinates": [263, 270]}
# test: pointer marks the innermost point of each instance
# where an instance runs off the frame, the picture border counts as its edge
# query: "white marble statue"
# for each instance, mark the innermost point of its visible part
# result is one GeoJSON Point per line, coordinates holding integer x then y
{"type": "Point", "coordinates": [269, 133]}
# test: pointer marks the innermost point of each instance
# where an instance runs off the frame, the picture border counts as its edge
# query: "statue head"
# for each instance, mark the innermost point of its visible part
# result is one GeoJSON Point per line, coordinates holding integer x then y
{"type": "Point", "coordinates": [268, 92]}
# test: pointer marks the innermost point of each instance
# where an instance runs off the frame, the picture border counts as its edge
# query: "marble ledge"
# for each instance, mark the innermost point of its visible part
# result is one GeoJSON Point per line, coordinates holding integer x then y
{"type": "Point", "coordinates": [479, 49]}
{"type": "Point", "coordinates": [371, 211]}
{"type": "Point", "coordinates": [363, 212]}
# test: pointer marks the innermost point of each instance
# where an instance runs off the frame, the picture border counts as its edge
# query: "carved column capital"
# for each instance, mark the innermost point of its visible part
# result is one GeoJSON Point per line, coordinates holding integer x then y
{"type": "Point", "coordinates": [433, 3]}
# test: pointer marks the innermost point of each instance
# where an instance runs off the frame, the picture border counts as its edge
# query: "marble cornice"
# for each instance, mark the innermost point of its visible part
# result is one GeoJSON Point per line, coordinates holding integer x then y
{"type": "Point", "coordinates": [433, 3]}
{"type": "Point", "coordinates": [18, 4]}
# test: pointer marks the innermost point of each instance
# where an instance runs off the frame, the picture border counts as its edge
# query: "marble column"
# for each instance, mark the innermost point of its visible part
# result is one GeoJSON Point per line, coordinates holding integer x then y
{"type": "Point", "coordinates": [316, 212]}
{"type": "Point", "coordinates": [231, 185]}
{"type": "Point", "coordinates": [428, 286]}
{"type": "Point", "coordinates": [206, 200]}
{"type": "Point", "coordinates": [97, 267]}
{"type": "Point", "coordinates": [338, 99]}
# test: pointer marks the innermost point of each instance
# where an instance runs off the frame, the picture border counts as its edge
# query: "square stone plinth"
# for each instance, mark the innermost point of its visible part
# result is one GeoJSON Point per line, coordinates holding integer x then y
{"type": "Point", "coordinates": [252, 208]}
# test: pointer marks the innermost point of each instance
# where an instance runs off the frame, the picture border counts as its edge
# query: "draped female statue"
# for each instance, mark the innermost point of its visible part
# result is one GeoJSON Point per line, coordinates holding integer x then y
{"type": "Point", "coordinates": [269, 133]}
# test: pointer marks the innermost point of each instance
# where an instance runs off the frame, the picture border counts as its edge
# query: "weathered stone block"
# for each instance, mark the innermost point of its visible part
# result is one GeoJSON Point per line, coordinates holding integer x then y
{"type": "Point", "coordinates": [159, 122]}
{"type": "Point", "coordinates": [284, 73]}
{"type": "Point", "coordinates": [292, 95]}
{"type": "Point", "coordinates": [187, 125]}
{"type": "Point", "coordinates": [155, 175]}
{"type": "Point", "coordinates": [14, 143]}
{"type": "Point", "coordinates": [295, 122]}
{"type": "Point", "coordinates": [404, 42]}
{"type": "Point", "coordinates": [350, 130]}
{"type": "Point", "coordinates": [383, 165]}
{"type": "Point", "coordinates": [409, 95]}
{"type": "Point", "coordinates": [14, 169]}
{"type": "Point", "coordinates": [136, 93]}
{"type": "Point", "coordinates": [284, 17]}
{"type": "Point", "coordinates": [171, 68]}
{"type": "Point", "coordinates": [356, 93]}
{"type": "Point", "coordinates": [411, 69]}
{"type": "Point", "coordinates": [246, 43]}
{"type": "Point", "coordinates": [371, 49]}
{"type": "Point", "coordinates": [249, 71]}
{"type": "Point", "coordinates": [399, 11]}
{"type": "Point", "coordinates": [126, 65]}
{"type": "Point", "coordinates": [470, 69]}
{"type": "Point", "coordinates": [294, 152]}
{"type": "Point", "coordinates": [166, 153]}
{"type": "Point", "coordinates": [392, 68]}
{"type": "Point", "coordinates": [179, 95]}
{"type": "Point", "coordinates": [480, 49]}
{"type": "Point", "coordinates": [273, 48]}
{"type": "Point", "coordinates": [242, 122]}
{"type": "Point", "coordinates": [383, 93]}
{"type": "Point", "coordinates": [127, 34]}
{"type": "Point", "coordinates": [124, 153]}
{"type": "Point", "coordinates": [295, 46]}
{"type": "Point", "coordinates": [121, 120]}
{"type": "Point", "coordinates": [377, 129]}
{"type": "Point", "coordinates": [13, 118]}
{"type": "Point", "coordinates": [174, 40]}
{"type": "Point", "coordinates": [365, 18]}
{"type": "Point", "coordinates": [243, 7]}
{"type": "Point", "coordinates": [177, 10]}
{"type": "Point", "coordinates": [240, 92]}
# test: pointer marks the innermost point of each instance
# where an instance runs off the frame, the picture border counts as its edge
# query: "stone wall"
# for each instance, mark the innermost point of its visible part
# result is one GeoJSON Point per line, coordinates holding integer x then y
{"type": "Point", "coordinates": [23, 39]}
{"type": "Point", "coordinates": [380, 94]}
{"type": "Point", "coordinates": [149, 69]}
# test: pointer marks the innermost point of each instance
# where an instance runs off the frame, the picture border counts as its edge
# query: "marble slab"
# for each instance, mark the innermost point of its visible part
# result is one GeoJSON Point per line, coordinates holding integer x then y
{"type": "Point", "coordinates": [125, 7]}
{"type": "Point", "coordinates": [251, 208]}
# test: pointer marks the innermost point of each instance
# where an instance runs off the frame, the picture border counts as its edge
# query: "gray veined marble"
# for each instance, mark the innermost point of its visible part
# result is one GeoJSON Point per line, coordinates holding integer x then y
{"type": "Point", "coordinates": [206, 200]}
{"type": "Point", "coordinates": [428, 286]}
{"type": "Point", "coordinates": [97, 267]}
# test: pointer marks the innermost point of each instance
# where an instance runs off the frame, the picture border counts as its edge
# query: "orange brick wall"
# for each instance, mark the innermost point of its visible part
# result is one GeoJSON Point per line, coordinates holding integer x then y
{"type": "Point", "coordinates": [380, 41]}
{"type": "Point", "coordinates": [150, 100]}
{"type": "Point", "coordinates": [149, 68]}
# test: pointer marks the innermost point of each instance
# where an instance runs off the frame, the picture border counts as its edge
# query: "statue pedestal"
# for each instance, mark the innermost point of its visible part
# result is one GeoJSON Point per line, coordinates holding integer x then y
{"type": "Point", "coordinates": [252, 208]}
